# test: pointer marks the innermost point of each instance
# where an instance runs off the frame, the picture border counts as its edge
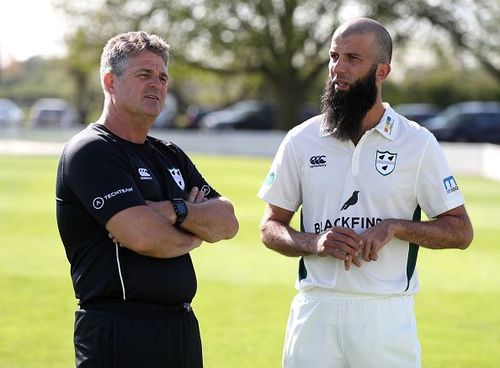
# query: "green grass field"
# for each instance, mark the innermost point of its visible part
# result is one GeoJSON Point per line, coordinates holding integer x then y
{"type": "Point", "coordinates": [244, 289]}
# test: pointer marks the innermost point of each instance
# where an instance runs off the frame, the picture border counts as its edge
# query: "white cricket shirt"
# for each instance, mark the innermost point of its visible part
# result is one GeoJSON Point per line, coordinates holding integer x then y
{"type": "Point", "coordinates": [396, 168]}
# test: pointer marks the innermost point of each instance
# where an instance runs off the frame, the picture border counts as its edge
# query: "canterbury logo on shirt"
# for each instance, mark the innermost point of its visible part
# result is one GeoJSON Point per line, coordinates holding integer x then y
{"type": "Point", "coordinates": [317, 161]}
{"type": "Point", "coordinates": [144, 174]}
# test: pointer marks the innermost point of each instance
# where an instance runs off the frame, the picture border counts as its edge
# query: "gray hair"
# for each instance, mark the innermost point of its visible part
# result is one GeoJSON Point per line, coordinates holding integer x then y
{"type": "Point", "coordinates": [117, 50]}
{"type": "Point", "coordinates": [383, 42]}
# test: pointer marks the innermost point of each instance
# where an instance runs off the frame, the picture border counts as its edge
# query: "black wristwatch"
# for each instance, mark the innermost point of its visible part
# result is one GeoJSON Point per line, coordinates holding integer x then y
{"type": "Point", "coordinates": [180, 209]}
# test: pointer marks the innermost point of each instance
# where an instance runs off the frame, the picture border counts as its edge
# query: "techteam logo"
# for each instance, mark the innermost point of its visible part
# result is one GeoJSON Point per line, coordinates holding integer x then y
{"type": "Point", "coordinates": [205, 189]}
{"type": "Point", "coordinates": [98, 202]}
{"type": "Point", "coordinates": [318, 161]}
{"type": "Point", "coordinates": [144, 174]}
{"type": "Point", "coordinates": [450, 185]}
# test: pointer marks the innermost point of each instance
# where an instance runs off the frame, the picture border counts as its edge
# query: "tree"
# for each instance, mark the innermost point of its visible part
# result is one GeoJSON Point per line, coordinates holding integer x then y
{"type": "Point", "coordinates": [469, 26]}
{"type": "Point", "coordinates": [278, 40]}
{"type": "Point", "coordinates": [285, 42]}
{"type": "Point", "coordinates": [37, 77]}
{"type": "Point", "coordinates": [81, 64]}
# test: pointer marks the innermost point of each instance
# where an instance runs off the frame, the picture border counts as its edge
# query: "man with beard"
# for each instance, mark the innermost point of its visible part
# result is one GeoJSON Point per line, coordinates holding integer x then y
{"type": "Point", "coordinates": [361, 173]}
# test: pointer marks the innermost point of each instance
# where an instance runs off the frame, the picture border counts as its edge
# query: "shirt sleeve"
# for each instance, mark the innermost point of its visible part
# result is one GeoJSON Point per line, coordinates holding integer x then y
{"type": "Point", "coordinates": [437, 190]}
{"type": "Point", "coordinates": [97, 174]}
{"type": "Point", "coordinates": [282, 186]}
{"type": "Point", "coordinates": [193, 176]}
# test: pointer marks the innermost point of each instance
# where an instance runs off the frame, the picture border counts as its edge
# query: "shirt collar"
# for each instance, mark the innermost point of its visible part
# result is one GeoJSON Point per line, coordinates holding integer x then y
{"type": "Point", "coordinates": [387, 126]}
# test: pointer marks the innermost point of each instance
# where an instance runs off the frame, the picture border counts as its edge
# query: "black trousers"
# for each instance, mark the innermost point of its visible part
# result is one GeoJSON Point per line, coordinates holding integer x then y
{"type": "Point", "coordinates": [110, 336]}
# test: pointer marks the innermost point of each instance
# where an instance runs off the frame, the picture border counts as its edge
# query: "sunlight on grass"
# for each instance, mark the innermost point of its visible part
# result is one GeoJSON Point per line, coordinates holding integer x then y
{"type": "Point", "coordinates": [244, 289]}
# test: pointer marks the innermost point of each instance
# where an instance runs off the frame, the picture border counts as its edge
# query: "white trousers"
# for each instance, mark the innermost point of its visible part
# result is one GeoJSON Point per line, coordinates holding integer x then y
{"type": "Point", "coordinates": [327, 330]}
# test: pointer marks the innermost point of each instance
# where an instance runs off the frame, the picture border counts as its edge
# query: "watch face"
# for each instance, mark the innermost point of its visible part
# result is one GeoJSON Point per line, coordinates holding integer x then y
{"type": "Point", "coordinates": [180, 209]}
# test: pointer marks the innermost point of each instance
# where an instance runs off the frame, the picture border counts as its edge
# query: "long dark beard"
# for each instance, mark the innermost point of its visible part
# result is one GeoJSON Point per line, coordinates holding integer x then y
{"type": "Point", "coordinates": [344, 110]}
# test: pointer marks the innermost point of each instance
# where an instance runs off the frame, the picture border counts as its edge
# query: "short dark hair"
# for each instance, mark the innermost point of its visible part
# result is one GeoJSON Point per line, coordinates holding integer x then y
{"type": "Point", "coordinates": [383, 40]}
{"type": "Point", "coordinates": [117, 50]}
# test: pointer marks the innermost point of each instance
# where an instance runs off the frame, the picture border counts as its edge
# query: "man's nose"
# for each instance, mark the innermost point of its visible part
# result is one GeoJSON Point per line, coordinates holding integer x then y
{"type": "Point", "coordinates": [337, 67]}
{"type": "Point", "coordinates": [156, 82]}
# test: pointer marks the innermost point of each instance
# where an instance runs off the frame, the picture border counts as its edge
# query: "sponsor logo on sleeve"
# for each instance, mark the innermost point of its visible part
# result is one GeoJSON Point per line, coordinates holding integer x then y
{"type": "Point", "coordinates": [450, 185]}
{"type": "Point", "coordinates": [98, 202]}
{"type": "Point", "coordinates": [205, 189]}
{"type": "Point", "coordinates": [270, 178]}
{"type": "Point", "coordinates": [385, 162]}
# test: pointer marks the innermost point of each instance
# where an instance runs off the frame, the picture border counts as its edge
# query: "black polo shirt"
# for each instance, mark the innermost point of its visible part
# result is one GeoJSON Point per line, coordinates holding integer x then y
{"type": "Point", "coordinates": [99, 175]}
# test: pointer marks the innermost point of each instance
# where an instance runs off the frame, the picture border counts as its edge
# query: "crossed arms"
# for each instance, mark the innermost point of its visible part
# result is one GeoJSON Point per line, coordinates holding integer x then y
{"type": "Point", "coordinates": [149, 230]}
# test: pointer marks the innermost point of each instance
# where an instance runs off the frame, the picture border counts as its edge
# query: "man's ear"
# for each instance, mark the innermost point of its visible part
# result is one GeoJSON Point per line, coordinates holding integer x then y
{"type": "Point", "coordinates": [108, 82]}
{"type": "Point", "coordinates": [383, 71]}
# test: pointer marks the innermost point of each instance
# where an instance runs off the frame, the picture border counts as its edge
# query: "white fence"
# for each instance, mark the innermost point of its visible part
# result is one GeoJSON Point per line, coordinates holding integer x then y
{"type": "Point", "coordinates": [474, 159]}
{"type": "Point", "coordinates": [465, 159]}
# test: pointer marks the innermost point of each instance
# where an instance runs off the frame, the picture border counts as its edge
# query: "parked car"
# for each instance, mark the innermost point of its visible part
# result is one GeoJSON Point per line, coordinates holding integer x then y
{"type": "Point", "coordinates": [53, 112]}
{"type": "Point", "coordinates": [248, 114]}
{"type": "Point", "coordinates": [419, 112]}
{"type": "Point", "coordinates": [194, 114]}
{"type": "Point", "coordinates": [473, 121]}
{"type": "Point", "coordinates": [10, 113]}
